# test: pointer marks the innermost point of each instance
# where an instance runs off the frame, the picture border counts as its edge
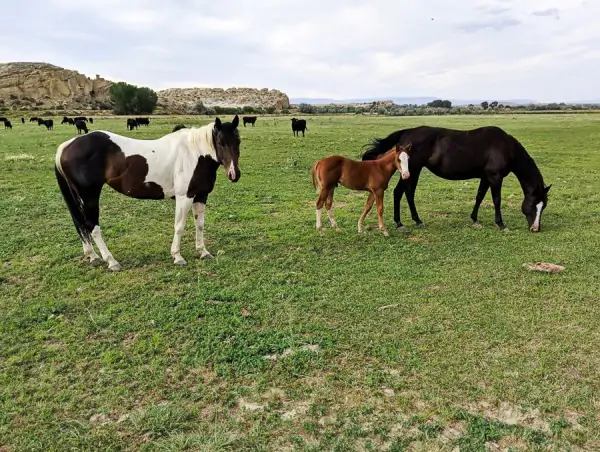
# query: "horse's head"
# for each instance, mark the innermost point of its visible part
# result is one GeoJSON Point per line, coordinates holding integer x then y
{"type": "Point", "coordinates": [533, 206]}
{"type": "Point", "coordinates": [227, 143]}
{"type": "Point", "coordinates": [402, 154]}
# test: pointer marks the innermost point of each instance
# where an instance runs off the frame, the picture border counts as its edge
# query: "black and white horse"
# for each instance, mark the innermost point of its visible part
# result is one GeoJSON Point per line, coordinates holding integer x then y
{"type": "Point", "coordinates": [181, 166]}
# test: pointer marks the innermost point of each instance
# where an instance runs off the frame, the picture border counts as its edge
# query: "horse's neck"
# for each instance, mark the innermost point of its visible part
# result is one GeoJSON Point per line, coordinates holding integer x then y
{"type": "Point", "coordinates": [528, 174]}
{"type": "Point", "coordinates": [388, 163]}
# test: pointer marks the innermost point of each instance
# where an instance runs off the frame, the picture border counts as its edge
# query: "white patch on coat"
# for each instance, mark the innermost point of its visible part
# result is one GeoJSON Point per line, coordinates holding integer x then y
{"type": "Point", "coordinates": [404, 165]}
{"type": "Point", "coordinates": [538, 212]}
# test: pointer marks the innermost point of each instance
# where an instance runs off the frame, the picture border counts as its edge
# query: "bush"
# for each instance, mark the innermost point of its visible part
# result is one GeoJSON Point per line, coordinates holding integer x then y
{"type": "Point", "coordinates": [132, 100]}
{"type": "Point", "coordinates": [248, 109]}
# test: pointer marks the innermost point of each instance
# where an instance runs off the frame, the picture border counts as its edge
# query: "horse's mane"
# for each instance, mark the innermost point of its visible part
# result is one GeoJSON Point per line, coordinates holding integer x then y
{"type": "Point", "coordinates": [380, 146]}
{"type": "Point", "coordinates": [201, 140]}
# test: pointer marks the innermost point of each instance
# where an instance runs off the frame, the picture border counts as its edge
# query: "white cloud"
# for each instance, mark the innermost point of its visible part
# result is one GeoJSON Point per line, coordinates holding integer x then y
{"type": "Point", "coordinates": [541, 49]}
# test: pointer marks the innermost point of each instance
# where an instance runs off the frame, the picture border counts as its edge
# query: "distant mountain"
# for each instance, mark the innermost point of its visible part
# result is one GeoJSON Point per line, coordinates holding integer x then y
{"type": "Point", "coordinates": [404, 100]}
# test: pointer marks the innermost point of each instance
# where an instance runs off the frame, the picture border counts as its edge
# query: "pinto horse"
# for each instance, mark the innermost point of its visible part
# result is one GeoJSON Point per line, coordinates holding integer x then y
{"type": "Point", "coordinates": [486, 153]}
{"type": "Point", "coordinates": [371, 176]}
{"type": "Point", "coordinates": [181, 166]}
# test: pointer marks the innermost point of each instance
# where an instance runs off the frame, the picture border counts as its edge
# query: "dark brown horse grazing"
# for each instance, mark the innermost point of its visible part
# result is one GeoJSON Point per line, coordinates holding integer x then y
{"type": "Point", "coordinates": [181, 166]}
{"type": "Point", "coordinates": [486, 153]}
{"type": "Point", "coordinates": [371, 176]}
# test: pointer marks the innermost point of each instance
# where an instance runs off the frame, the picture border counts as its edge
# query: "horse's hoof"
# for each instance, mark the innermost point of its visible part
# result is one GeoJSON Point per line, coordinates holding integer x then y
{"type": "Point", "coordinates": [401, 228]}
{"type": "Point", "coordinates": [206, 255]}
{"type": "Point", "coordinates": [179, 261]}
{"type": "Point", "coordinates": [115, 267]}
{"type": "Point", "coordinates": [420, 225]}
{"type": "Point", "coordinates": [386, 234]}
{"type": "Point", "coordinates": [477, 225]}
{"type": "Point", "coordinates": [95, 260]}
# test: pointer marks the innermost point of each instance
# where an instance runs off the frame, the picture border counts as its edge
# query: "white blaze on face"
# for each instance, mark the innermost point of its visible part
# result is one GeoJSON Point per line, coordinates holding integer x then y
{"type": "Point", "coordinates": [231, 171]}
{"type": "Point", "coordinates": [538, 212]}
{"type": "Point", "coordinates": [404, 165]}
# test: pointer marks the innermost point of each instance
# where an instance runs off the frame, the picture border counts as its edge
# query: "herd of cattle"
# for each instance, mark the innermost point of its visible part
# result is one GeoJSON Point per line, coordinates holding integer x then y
{"type": "Point", "coordinates": [80, 122]}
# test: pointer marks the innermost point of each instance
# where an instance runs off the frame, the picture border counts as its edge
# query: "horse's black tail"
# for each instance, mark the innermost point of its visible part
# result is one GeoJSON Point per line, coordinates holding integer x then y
{"type": "Point", "coordinates": [75, 205]}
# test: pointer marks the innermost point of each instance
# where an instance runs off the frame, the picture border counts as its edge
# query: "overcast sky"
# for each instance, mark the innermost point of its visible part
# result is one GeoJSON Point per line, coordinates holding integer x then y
{"type": "Point", "coordinates": [546, 50]}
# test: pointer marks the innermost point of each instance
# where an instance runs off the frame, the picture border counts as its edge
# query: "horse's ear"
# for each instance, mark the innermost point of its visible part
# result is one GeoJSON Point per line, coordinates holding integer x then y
{"type": "Point", "coordinates": [547, 189]}
{"type": "Point", "coordinates": [236, 121]}
{"type": "Point", "coordinates": [218, 123]}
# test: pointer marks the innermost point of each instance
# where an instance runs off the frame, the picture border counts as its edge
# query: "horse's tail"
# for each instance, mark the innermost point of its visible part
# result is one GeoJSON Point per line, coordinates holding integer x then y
{"type": "Point", "coordinates": [72, 198]}
{"type": "Point", "coordinates": [315, 175]}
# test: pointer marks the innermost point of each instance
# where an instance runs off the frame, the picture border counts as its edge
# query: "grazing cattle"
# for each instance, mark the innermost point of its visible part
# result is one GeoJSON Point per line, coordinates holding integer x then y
{"type": "Point", "coordinates": [49, 123]}
{"type": "Point", "coordinates": [249, 120]}
{"type": "Point", "coordinates": [67, 120]}
{"type": "Point", "coordinates": [132, 123]}
{"type": "Point", "coordinates": [298, 125]}
{"type": "Point", "coordinates": [143, 121]}
{"type": "Point", "coordinates": [2, 118]}
{"type": "Point", "coordinates": [22, 120]}
{"type": "Point", "coordinates": [7, 124]}
{"type": "Point", "coordinates": [327, 173]}
{"type": "Point", "coordinates": [91, 120]}
{"type": "Point", "coordinates": [34, 119]}
{"type": "Point", "coordinates": [81, 125]}
{"type": "Point", "coordinates": [181, 166]}
{"type": "Point", "coordinates": [178, 127]}
{"type": "Point", "coordinates": [79, 118]}
{"type": "Point", "coordinates": [486, 153]}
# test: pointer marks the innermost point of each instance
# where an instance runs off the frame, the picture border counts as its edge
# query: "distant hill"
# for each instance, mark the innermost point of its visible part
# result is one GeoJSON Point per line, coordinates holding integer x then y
{"type": "Point", "coordinates": [404, 100]}
{"type": "Point", "coordinates": [36, 86]}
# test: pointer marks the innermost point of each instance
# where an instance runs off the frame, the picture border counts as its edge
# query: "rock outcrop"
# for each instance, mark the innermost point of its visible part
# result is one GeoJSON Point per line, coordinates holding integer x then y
{"type": "Point", "coordinates": [37, 86]}
{"type": "Point", "coordinates": [42, 85]}
{"type": "Point", "coordinates": [184, 99]}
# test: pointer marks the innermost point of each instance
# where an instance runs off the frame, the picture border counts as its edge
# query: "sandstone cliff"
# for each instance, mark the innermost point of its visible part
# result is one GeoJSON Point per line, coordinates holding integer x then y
{"type": "Point", "coordinates": [39, 86]}
{"type": "Point", "coordinates": [184, 99]}
{"type": "Point", "coordinates": [42, 85]}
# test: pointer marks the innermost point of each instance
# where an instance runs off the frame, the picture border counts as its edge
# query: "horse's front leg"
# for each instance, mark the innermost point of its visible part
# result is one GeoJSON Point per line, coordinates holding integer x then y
{"type": "Point", "coordinates": [411, 188]}
{"type": "Point", "coordinates": [398, 192]}
{"type": "Point", "coordinates": [182, 208]}
{"type": "Point", "coordinates": [199, 207]}
{"type": "Point", "coordinates": [379, 201]}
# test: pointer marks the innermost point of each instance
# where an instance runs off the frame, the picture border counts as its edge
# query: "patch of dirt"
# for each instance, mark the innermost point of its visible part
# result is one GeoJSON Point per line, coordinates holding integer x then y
{"type": "Point", "coordinates": [129, 338]}
{"type": "Point", "coordinates": [291, 351]}
{"type": "Point", "coordinates": [452, 432]}
{"type": "Point", "coordinates": [510, 414]}
{"type": "Point", "coordinates": [15, 157]}
{"type": "Point", "coordinates": [340, 204]}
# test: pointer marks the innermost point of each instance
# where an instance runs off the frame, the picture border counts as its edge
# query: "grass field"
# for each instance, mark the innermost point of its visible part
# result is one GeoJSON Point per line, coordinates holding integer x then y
{"type": "Point", "coordinates": [280, 342]}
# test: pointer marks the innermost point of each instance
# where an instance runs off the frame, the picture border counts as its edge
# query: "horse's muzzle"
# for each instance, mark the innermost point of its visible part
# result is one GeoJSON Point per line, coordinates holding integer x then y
{"type": "Point", "coordinates": [405, 175]}
{"type": "Point", "coordinates": [234, 176]}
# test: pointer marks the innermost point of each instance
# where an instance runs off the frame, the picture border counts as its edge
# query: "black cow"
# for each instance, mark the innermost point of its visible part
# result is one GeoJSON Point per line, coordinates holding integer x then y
{"type": "Point", "coordinates": [79, 118]}
{"type": "Point", "coordinates": [34, 119]}
{"type": "Point", "coordinates": [249, 120]}
{"type": "Point", "coordinates": [7, 124]}
{"type": "Point", "coordinates": [132, 123]}
{"type": "Point", "coordinates": [91, 120]}
{"type": "Point", "coordinates": [178, 127]}
{"type": "Point", "coordinates": [143, 121]}
{"type": "Point", "coordinates": [67, 120]}
{"type": "Point", "coordinates": [49, 123]}
{"type": "Point", "coordinates": [298, 125]}
{"type": "Point", "coordinates": [23, 120]}
{"type": "Point", "coordinates": [81, 125]}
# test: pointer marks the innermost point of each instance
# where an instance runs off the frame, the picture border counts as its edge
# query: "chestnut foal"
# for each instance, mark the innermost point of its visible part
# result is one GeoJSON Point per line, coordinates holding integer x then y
{"type": "Point", "coordinates": [372, 176]}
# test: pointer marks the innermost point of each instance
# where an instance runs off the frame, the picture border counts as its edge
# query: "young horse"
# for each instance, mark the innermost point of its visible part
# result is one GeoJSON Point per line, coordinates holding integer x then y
{"type": "Point", "coordinates": [486, 153]}
{"type": "Point", "coordinates": [372, 176]}
{"type": "Point", "coordinates": [182, 166]}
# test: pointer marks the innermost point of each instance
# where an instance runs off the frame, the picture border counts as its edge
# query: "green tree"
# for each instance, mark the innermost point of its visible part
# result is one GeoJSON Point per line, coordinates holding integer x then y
{"type": "Point", "coordinates": [494, 104]}
{"type": "Point", "coordinates": [131, 100]}
{"type": "Point", "coordinates": [485, 105]}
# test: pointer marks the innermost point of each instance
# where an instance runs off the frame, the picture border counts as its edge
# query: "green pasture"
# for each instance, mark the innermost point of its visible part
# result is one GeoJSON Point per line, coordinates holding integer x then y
{"type": "Point", "coordinates": [431, 339]}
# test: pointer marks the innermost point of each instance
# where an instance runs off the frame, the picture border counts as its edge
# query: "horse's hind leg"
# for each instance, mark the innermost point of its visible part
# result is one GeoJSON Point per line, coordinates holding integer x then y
{"type": "Point", "coordinates": [484, 185]}
{"type": "Point", "coordinates": [329, 207]}
{"type": "Point", "coordinates": [323, 195]}
{"type": "Point", "coordinates": [91, 200]}
{"type": "Point", "coordinates": [368, 207]}
{"type": "Point", "coordinates": [398, 193]}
